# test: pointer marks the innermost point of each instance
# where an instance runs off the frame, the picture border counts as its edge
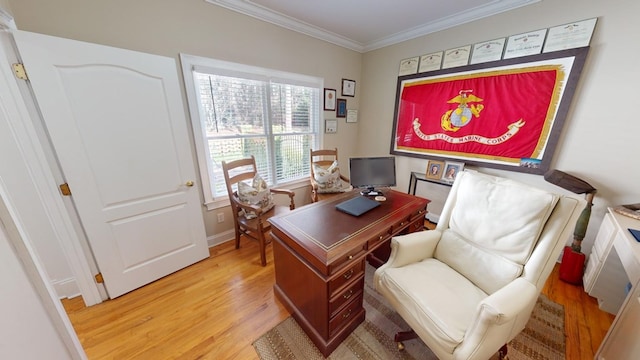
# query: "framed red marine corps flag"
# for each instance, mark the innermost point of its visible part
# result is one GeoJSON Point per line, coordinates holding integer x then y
{"type": "Point", "coordinates": [505, 114]}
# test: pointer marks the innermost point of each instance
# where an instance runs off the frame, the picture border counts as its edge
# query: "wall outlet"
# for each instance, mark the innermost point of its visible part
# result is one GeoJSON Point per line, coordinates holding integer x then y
{"type": "Point", "coordinates": [220, 218]}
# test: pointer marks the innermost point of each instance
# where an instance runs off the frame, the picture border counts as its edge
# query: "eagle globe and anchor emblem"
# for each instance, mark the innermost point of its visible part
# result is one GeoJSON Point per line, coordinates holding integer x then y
{"type": "Point", "coordinates": [453, 120]}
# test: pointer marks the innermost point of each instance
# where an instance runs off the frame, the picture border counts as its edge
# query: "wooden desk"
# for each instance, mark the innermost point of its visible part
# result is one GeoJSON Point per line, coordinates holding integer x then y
{"type": "Point", "coordinates": [319, 256]}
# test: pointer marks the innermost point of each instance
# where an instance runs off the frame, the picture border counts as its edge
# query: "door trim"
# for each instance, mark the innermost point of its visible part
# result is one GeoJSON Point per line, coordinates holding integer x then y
{"type": "Point", "coordinates": [43, 179]}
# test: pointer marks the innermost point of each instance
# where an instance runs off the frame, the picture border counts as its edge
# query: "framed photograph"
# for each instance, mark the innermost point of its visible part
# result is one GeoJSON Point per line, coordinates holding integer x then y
{"type": "Point", "coordinates": [348, 87]}
{"type": "Point", "coordinates": [451, 170]}
{"type": "Point", "coordinates": [435, 169]}
{"type": "Point", "coordinates": [330, 99]}
{"type": "Point", "coordinates": [331, 126]}
{"type": "Point", "coordinates": [341, 108]}
{"type": "Point", "coordinates": [473, 115]}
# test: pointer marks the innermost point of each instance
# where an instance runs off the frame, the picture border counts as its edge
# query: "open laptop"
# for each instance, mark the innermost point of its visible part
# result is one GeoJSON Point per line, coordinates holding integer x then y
{"type": "Point", "coordinates": [357, 206]}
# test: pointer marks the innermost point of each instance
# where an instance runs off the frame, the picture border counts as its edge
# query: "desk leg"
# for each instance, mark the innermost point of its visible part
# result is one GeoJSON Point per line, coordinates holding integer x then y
{"type": "Point", "coordinates": [412, 184]}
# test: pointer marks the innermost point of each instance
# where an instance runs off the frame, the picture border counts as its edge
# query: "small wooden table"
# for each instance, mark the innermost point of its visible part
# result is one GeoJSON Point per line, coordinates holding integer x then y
{"type": "Point", "coordinates": [319, 257]}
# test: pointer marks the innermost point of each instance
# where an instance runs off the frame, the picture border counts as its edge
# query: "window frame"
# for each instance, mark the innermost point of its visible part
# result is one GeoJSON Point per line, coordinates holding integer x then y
{"type": "Point", "coordinates": [191, 63]}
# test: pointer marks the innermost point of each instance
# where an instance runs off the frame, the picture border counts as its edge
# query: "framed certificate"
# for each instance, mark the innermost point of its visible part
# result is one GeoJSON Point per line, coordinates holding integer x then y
{"type": "Point", "coordinates": [331, 126]}
{"type": "Point", "coordinates": [348, 87]}
{"type": "Point", "coordinates": [430, 62]}
{"type": "Point", "coordinates": [352, 115]}
{"type": "Point", "coordinates": [487, 51]}
{"type": "Point", "coordinates": [456, 57]}
{"type": "Point", "coordinates": [525, 44]}
{"type": "Point", "coordinates": [409, 66]}
{"type": "Point", "coordinates": [329, 99]}
{"type": "Point", "coordinates": [570, 36]}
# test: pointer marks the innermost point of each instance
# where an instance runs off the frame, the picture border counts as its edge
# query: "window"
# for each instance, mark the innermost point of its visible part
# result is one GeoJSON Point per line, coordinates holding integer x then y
{"type": "Point", "coordinates": [239, 110]}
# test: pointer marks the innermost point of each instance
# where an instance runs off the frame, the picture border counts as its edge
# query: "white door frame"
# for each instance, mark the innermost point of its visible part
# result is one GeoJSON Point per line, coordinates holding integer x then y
{"type": "Point", "coordinates": [42, 177]}
{"type": "Point", "coordinates": [32, 157]}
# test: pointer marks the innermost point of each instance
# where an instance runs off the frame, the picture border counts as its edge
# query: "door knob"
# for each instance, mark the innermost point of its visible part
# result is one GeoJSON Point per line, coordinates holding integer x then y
{"type": "Point", "coordinates": [189, 183]}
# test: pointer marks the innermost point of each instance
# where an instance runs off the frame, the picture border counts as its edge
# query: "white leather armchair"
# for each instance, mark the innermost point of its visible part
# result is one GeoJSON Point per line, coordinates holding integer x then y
{"type": "Point", "coordinates": [468, 287]}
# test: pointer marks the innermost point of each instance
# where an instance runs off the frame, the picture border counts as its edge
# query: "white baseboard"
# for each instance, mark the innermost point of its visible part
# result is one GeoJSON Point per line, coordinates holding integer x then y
{"type": "Point", "coordinates": [66, 288]}
{"type": "Point", "coordinates": [432, 217]}
{"type": "Point", "coordinates": [221, 238]}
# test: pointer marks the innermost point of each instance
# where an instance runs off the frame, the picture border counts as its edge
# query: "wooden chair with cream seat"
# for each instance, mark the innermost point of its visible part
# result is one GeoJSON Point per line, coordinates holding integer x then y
{"type": "Point", "coordinates": [326, 179]}
{"type": "Point", "coordinates": [252, 203]}
{"type": "Point", "coordinates": [468, 287]}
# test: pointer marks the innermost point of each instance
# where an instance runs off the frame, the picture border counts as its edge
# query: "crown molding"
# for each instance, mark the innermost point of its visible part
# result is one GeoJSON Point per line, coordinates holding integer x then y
{"type": "Point", "coordinates": [460, 18]}
{"type": "Point", "coordinates": [6, 20]}
{"type": "Point", "coordinates": [247, 7]}
{"type": "Point", "coordinates": [287, 22]}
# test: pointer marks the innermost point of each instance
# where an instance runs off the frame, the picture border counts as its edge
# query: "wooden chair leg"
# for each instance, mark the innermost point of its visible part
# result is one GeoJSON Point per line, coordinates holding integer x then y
{"type": "Point", "coordinates": [502, 353]}
{"type": "Point", "coordinates": [403, 336]}
{"type": "Point", "coordinates": [263, 250]}
{"type": "Point", "coordinates": [237, 238]}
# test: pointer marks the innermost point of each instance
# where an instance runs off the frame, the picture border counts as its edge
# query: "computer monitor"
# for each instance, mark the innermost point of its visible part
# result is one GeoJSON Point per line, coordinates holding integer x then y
{"type": "Point", "coordinates": [371, 173]}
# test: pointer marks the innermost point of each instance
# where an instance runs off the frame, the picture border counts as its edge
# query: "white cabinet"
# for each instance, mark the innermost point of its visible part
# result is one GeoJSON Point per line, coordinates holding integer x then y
{"type": "Point", "coordinates": [605, 277]}
{"type": "Point", "coordinates": [621, 341]}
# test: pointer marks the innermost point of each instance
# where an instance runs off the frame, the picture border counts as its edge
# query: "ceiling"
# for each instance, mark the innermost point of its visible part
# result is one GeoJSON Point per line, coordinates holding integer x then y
{"type": "Point", "coordinates": [364, 25]}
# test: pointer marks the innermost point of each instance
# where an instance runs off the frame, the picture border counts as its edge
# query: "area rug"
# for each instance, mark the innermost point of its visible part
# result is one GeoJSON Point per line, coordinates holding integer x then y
{"type": "Point", "coordinates": [543, 338]}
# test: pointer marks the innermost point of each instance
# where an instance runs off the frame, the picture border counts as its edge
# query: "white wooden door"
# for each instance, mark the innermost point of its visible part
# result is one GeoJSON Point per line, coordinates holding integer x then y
{"type": "Point", "coordinates": [116, 120]}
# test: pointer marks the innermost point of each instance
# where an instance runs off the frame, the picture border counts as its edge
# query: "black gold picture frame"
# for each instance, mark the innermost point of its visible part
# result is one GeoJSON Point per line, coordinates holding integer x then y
{"type": "Point", "coordinates": [348, 87]}
{"type": "Point", "coordinates": [341, 108]}
{"type": "Point", "coordinates": [472, 114]}
{"type": "Point", "coordinates": [329, 99]}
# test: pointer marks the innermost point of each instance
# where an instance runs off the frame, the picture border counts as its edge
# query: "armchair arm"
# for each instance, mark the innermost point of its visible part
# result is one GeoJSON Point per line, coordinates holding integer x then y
{"type": "Point", "coordinates": [246, 207]}
{"type": "Point", "coordinates": [499, 318]}
{"type": "Point", "coordinates": [287, 192]}
{"type": "Point", "coordinates": [413, 247]}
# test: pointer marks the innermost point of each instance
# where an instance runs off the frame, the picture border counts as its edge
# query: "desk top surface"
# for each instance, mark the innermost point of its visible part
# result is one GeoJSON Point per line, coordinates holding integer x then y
{"type": "Point", "coordinates": [321, 229]}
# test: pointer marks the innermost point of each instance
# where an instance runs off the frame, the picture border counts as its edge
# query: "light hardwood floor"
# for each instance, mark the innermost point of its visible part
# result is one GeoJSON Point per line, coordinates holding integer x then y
{"type": "Point", "coordinates": [216, 308]}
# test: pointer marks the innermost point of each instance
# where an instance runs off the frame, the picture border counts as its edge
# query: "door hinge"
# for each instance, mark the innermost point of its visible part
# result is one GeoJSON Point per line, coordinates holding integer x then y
{"type": "Point", "coordinates": [19, 71]}
{"type": "Point", "coordinates": [64, 188]}
{"type": "Point", "coordinates": [99, 278]}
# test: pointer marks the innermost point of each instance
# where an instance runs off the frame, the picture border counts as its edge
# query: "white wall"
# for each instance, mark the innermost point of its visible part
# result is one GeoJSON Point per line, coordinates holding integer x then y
{"type": "Point", "coordinates": [600, 139]}
{"type": "Point", "coordinates": [27, 331]}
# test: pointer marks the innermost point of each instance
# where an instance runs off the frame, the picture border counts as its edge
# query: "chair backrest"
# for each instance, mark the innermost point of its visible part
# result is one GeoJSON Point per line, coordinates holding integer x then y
{"type": "Point", "coordinates": [323, 158]}
{"type": "Point", "coordinates": [495, 230]}
{"type": "Point", "coordinates": [236, 171]}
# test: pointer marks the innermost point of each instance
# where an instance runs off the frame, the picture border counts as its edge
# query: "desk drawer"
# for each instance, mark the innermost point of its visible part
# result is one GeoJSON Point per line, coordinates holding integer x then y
{"type": "Point", "coordinates": [339, 264]}
{"type": "Point", "coordinates": [345, 296]}
{"type": "Point", "coordinates": [399, 225]}
{"type": "Point", "coordinates": [345, 316]}
{"type": "Point", "coordinates": [419, 214]}
{"type": "Point", "coordinates": [348, 275]}
{"type": "Point", "coordinates": [416, 225]}
{"type": "Point", "coordinates": [380, 238]}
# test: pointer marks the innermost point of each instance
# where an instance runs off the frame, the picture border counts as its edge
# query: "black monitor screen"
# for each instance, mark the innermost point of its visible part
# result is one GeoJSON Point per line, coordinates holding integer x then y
{"type": "Point", "coordinates": [372, 172]}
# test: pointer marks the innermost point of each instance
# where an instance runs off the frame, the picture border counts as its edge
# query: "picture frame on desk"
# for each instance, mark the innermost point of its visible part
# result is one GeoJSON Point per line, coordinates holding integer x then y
{"type": "Point", "coordinates": [451, 170]}
{"type": "Point", "coordinates": [435, 169]}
